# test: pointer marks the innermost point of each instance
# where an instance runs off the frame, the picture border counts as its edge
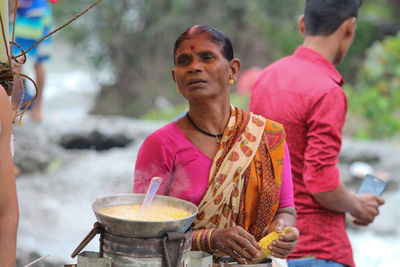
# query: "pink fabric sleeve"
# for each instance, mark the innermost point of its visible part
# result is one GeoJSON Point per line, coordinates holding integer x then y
{"type": "Point", "coordinates": [325, 124]}
{"type": "Point", "coordinates": [286, 196]}
{"type": "Point", "coordinates": [169, 154]}
{"type": "Point", "coordinates": [152, 160]}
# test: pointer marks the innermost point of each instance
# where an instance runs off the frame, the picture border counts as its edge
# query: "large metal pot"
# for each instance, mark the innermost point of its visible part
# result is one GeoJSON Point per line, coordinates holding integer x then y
{"type": "Point", "coordinates": [142, 228]}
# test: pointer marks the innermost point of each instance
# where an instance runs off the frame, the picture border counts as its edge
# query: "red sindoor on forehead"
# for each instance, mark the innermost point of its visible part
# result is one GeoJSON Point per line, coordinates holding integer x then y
{"type": "Point", "coordinates": [192, 47]}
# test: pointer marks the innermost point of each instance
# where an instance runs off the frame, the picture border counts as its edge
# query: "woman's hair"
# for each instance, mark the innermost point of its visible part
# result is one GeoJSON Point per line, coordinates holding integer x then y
{"type": "Point", "coordinates": [324, 17]}
{"type": "Point", "coordinates": [213, 34]}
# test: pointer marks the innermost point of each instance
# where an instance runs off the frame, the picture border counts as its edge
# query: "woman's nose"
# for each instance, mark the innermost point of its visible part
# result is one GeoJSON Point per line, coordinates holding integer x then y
{"type": "Point", "coordinates": [195, 66]}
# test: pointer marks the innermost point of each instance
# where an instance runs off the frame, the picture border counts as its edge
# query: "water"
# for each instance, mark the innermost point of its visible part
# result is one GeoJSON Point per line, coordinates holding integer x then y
{"type": "Point", "coordinates": [371, 250]}
{"type": "Point", "coordinates": [379, 243]}
{"type": "Point", "coordinates": [71, 83]}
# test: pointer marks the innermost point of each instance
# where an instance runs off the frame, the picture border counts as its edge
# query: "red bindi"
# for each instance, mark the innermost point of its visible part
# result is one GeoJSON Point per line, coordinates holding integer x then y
{"type": "Point", "coordinates": [192, 47]}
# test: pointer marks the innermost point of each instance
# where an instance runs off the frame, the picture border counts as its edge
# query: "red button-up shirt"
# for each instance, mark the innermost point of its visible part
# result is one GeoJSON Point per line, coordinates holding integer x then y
{"type": "Point", "coordinates": [303, 92]}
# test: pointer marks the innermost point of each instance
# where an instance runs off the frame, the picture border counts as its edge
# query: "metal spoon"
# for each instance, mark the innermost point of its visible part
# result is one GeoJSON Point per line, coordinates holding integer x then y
{"type": "Point", "coordinates": [151, 192]}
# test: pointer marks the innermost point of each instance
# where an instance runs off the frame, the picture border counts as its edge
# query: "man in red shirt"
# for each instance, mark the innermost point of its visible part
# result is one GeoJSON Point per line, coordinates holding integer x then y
{"type": "Point", "coordinates": [303, 92]}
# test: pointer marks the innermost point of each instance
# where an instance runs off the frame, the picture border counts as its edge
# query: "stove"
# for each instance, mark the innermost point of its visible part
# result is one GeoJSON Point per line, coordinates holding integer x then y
{"type": "Point", "coordinates": [118, 251]}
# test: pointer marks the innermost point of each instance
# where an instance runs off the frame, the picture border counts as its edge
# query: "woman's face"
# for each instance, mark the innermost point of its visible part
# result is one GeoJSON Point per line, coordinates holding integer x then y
{"type": "Point", "coordinates": [201, 69]}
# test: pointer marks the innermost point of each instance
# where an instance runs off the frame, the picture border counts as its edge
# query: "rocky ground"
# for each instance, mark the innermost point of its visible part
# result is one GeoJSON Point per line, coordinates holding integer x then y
{"type": "Point", "coordinates": [59, 182]}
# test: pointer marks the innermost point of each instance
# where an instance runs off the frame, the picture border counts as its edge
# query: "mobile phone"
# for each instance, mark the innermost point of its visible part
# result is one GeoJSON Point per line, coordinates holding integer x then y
{"type": "Point", "coordinates": [372, 184]}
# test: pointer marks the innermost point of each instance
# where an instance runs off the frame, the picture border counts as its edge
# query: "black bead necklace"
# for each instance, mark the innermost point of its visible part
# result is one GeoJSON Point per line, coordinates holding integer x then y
{"type": "Point", "coordinates": [217, 136]}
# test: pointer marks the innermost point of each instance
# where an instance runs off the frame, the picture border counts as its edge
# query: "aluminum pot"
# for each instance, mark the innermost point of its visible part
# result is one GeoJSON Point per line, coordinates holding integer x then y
{"type": "Point", "coordinates": [145, 229]}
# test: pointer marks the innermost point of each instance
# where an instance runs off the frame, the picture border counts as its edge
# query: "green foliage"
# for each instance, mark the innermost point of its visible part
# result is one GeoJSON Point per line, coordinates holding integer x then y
{"type": "Point", "coordinates": [276, 21]}
{"type": "Point", "coordinates": [134, 40]}
{"type": "Point", "coordinates": [382, 10]}
{"type": "Point", "coordinates": [376, 96]}
{"type": "Point", "coordinates": [166, 114]}
{"type": "Point", "coordinates": [241, 101]}
{"type": "Point", "coordinates": [136, 37]}
{"type": "Point", "coordinates": [366, 34]}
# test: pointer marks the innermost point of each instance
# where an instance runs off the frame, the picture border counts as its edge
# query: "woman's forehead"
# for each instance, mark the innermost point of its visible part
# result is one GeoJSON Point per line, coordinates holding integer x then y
{"type": "Point", "coordinates": [199, 42]}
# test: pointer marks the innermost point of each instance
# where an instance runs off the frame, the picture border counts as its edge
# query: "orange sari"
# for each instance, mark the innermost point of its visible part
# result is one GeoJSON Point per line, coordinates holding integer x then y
{"type": "Point", "coordinates": [245, 177]}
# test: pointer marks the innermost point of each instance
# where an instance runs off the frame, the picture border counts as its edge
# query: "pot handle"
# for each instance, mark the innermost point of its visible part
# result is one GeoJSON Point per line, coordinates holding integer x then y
{"type": "Point", "coordinates": [96, 230]}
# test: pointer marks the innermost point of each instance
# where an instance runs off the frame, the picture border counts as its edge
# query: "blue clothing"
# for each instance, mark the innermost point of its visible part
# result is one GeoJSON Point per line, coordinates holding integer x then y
{"type": "Point", "coordinates": [32, 8]}
{"type": "Point", "coordinates": [314, 263]}
{"type": "Point", "coordinates": [33, 21]}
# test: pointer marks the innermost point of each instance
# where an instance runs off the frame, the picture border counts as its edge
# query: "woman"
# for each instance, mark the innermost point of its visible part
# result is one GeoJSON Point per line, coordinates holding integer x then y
{"type": "Point", "coordinates": [233, 164]}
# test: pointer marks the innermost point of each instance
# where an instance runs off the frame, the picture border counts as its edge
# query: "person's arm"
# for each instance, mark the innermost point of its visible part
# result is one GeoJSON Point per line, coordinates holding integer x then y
{"type": "Point", "coordinates": [286, 198]}
{"type": "Point", "coordinates": [321, 175]}
{"type": "Point", "coordinates": [285, 215]}
{"type": "Point", "coordinates": [8, 195]}
{"type": "Point", "coordinates": [363, 207]}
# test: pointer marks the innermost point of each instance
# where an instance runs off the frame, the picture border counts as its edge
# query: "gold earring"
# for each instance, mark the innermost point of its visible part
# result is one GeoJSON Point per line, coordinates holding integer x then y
{"type": "Point", "coordinates": [177, 90]}
{"type": "Point", "coordinates": [231, 80]}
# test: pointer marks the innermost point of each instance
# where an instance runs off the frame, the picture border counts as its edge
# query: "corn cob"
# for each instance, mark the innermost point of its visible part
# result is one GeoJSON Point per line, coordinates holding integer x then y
{"type": "Point", "coordinates": [267, 240]}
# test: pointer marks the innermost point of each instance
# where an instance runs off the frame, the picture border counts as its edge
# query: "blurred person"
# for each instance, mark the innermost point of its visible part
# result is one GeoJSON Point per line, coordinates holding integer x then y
{"type": "Point", "coordinates": [303, 92]}
{"type": "Point", "coordinates": [33, 21]}
{"type": "Point", "coordinates": [247, 79]}
{"type": "Point", "coordinates": [232, 164]}
{"type": "Point", "coordinates": [8, 195]}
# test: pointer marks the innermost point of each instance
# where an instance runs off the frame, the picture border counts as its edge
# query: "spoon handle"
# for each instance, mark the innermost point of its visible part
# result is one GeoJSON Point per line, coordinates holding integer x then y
{"type": "Point", "coordinates": [151, 192]}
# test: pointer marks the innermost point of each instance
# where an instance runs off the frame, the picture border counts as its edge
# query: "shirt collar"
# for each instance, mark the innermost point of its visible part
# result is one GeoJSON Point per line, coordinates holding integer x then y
{"type": "Point", "coordinates": [316, 58]}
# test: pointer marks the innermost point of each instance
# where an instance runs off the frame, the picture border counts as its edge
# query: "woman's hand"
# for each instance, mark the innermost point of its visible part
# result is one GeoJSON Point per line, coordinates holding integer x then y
{"type": "Point", "coordinates": [235, 242]}
{"type": "Point", "coordinates": [286, 243]}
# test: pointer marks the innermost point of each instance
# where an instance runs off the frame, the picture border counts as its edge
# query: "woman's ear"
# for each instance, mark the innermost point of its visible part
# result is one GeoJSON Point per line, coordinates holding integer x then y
{"type": "Point", "coordinates": [301, 25]}
{"type": "Point", "coordinates": [173, 75]}
{"type": "Point", "coordinates": [235, 68]}
{"type": "Point", "coordinates": [174, 79]}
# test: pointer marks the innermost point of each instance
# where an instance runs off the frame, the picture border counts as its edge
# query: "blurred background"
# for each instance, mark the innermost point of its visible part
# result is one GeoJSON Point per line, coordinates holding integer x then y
{"type": "Point", "coordinates": [132, 42]}
{"type": "Point", "coordinates": [108, 85]}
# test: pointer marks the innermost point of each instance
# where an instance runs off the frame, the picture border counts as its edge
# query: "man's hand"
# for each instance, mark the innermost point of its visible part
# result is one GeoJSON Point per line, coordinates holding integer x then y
{"type": "Point", "coordinates": [368, 208]}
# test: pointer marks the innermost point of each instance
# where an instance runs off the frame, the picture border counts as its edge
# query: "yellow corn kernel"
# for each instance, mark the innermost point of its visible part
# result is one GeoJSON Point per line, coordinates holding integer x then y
{"type": "Point", "coordinates": [267, 240]}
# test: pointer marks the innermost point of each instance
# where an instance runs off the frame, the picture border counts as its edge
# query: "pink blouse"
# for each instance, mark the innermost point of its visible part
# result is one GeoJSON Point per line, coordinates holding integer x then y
{"type": "Point", "coordinates": [185, 169]}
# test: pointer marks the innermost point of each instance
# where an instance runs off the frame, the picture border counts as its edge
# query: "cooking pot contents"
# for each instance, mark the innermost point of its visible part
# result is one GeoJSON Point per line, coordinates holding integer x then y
{"type": "Point", "coordinates": [151, 192]}
{"type": "Point", "coordinates": [155, 212]}
{"type": "Point", "coordinates": [136, 227]}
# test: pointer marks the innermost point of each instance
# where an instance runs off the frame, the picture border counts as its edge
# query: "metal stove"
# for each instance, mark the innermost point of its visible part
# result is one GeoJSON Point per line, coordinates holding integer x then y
{"type": "Point", "coordinates": [117, 251]}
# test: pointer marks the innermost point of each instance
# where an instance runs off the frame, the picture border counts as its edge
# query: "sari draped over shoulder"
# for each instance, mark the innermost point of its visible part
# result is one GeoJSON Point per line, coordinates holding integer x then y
{"type": "Point", "coordinates": [245, 177]}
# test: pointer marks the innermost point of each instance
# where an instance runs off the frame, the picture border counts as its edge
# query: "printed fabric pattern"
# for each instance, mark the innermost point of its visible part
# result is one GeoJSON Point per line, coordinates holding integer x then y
{"type": "Point", "coordinates": [245, 152]}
